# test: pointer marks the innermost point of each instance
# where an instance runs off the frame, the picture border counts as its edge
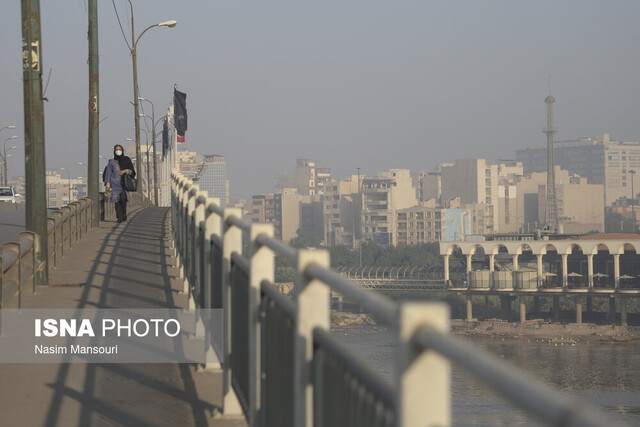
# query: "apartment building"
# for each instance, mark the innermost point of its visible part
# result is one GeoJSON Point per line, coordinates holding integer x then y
{"type": "Point", "coordinates": [418, 224]}
{"type": "Point", "coordinates": [308, 178]}
{"type": "Point", "coordinates": [63, 190]}
{"type": "Point", "coordinates": [486, 183]}
{"type": "Point", "coordinates": [382, 197]}
{"type": "Point", "coordinates": [599, 159]}
{"type": "Point", "coordinates": [267, 209]}
{"type": "Point", "coordinates": [212, 178]}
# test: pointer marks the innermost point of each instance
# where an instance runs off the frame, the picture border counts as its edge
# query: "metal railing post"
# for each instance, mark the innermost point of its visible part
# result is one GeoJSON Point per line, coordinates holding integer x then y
{"type": "Point", "coordinates": [189, 258]}
{"type": "Point", "coordinates": [313, 312]}
{"type": "Point", "coordinates": [212, 227]}
{"type": "Point", "coordinates": [423, 377]}
{"type": "Point", "coordinates": [182, 201]}
{"type": "Point", "coordinates": [66, 225]}
{"type": "Point", "coordinates": [13, 270]}
{"type": "Point", "coordinates": [35, 249]}
{"type": "Point", "coordinates": [198, 245]}
{"type": "Point", "coordinates": [58, 217]}
{"type": "Point", "coordinates": [212, 224]}
{"type": "Point", "coordinates": [52, 261]}
{"type": "Point", "coordinates": [262, 267]}
{"type": "Point", "coordinates": [176, 222]}
{"type": "Point", "coordinates": [232, 242]}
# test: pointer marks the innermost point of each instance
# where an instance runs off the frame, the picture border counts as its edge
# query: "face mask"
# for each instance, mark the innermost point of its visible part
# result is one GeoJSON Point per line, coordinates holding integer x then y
{"type": "Point", "coordinates": [118, 153]}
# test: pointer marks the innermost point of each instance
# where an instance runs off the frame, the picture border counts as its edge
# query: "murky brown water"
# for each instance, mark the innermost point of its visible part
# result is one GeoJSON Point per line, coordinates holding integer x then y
{"type": "Point", "coordinates": [606, 374]}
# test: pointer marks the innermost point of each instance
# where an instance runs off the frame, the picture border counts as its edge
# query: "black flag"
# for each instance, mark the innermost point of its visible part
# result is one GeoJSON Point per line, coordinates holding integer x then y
{"type": "Point", "coordinates": [180, 111]}
{"type": "Point", "coordinates": [165, 137]}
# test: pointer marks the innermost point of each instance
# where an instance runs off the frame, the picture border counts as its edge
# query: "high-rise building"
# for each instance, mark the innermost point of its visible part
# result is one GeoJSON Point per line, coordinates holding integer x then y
{"type": "Point", "coordinates": [598, 158]}
{"type": "Point", "coordinates": [478, 181]}
{"type": "Point", "coordinates": [307, 178]}
{"type": "Point", "coordinates": [212, 178]}
{"type": "Point", "coordinates": [382, 196]}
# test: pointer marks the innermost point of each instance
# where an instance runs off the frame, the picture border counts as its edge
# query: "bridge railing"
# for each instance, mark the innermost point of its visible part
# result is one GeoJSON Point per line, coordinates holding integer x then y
{"type": "Point", "coordinates": [281, 366]}
{"type": "Point", "coordinates": [18, 262]}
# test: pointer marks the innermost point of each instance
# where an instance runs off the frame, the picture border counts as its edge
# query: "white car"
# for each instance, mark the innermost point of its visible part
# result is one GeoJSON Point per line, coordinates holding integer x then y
{"type": "Point", "coordinates": [7, 195]}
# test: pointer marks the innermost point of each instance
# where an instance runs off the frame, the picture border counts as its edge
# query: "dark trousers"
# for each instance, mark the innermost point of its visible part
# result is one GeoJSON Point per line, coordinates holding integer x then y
{"type": "Point", "coordinates": [121, 206]}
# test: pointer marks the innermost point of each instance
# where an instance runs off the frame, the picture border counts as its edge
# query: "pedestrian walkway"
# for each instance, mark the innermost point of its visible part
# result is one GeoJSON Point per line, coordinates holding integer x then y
{"type": "Point", "coordinates": [126, 265]}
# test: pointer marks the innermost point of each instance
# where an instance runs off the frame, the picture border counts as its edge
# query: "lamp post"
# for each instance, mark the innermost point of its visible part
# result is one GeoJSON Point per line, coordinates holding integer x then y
{"type": "Point", "coordinates": [69, 181]}
{"type": "Point", "coordinates": [87, 166]}
{"type": "Point", "coordinates": [6, 165]}
{"type": "Point", "coordinates": [153, 142]}
{"type": "Point", "coordinates": [4, 158]}
{"type": "Point", "coordinates": [633, 201]}
{"type": "Point", "coordinates": [145, 169]}
{"type": "Point", "coordinates": [133, 48]}
{"type": "Point", "coordinates": [148, 168]}
{"type": "Point", "coordinates": [7, 127]}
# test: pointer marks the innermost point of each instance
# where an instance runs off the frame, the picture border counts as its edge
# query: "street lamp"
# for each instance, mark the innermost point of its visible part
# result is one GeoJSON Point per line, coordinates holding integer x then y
{"type": "Point", "coordinates": [633, 201]}
{"type": "Point", "coordinates": [7, 127]}
{"type": "Point", "coordinates": [153, 142]}
{"type": "Point", "coordinates": [4, 158]}
{"type": "Point", "coordinates": [69, 180]}
{"type": "Point", "coordinates": [148, 166]}
{"type": "Point", "coordinates": [133, 49]}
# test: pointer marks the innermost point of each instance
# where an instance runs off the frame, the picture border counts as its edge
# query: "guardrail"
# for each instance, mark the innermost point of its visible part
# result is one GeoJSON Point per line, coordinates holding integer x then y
{"type": "Point", "coordinates": [281, 367]}
{"type": "Point", "coordinates": [65, 227]}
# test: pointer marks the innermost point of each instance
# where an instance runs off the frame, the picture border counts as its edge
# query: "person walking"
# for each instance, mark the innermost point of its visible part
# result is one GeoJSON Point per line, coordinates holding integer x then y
{"type": "Point", "coordinates": [114, 178]}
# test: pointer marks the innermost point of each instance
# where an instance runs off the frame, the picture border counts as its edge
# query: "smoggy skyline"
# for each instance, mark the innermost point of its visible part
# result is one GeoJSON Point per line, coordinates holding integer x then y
{"type": "Point", "coordinates": [348, 84]}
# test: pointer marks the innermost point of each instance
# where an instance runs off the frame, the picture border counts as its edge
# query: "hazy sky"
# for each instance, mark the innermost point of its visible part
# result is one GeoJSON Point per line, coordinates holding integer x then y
{"type": "Point", "coordinates": [370, 84]}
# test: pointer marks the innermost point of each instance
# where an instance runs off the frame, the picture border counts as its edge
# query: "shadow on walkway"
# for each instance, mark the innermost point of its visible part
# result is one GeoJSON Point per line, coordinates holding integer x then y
{"type": "Point", "coordinates": [126, 265]}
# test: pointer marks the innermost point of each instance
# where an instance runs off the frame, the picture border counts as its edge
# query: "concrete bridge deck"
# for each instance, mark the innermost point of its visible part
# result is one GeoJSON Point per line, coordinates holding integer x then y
{"type": "Point", "coordinates": [124, 265]}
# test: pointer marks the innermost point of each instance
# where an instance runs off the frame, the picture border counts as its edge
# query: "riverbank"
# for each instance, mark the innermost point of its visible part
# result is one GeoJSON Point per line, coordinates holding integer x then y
{"type": "Point", "coordinates": [558, 333]}
{"type": "Point", "coordinates": [539, 330]}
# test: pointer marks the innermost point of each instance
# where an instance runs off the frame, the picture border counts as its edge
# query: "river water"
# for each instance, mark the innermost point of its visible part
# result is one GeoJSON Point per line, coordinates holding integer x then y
{"type": "Point", "coordinates": [606, 374]}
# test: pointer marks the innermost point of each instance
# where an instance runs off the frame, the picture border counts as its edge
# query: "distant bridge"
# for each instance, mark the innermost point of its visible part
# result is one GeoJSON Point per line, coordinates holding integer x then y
{"type": "Point", "coordinates": [403, 278]}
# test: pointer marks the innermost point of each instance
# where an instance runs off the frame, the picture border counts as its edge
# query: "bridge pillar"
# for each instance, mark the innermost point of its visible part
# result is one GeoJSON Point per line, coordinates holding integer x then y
{"type": "Point", "coordinates": [578, 310]}
{"type": "Point", "coordinates": [505, 306]}
{"type": "Point", "coordinates": [623, 312]}
{"type": "Point", "coordinates": [446, 269]}
{"type": "Point", "coordinates": [612, 309]}
{"type": "Point", "coordinates": [469, 308]}
{"type": "Point", "coordinates": [565, 278]}
{"type": "Point", "coordinates": [616, 269]}
{"type": "Point", "coordinates": [590, 273]}
{"type": "Point", "coordinates": [523, 309]}
{"type": "Point", "coordinates": [556, 308]}
{"type": "Point", "coordinates": [539, 262]}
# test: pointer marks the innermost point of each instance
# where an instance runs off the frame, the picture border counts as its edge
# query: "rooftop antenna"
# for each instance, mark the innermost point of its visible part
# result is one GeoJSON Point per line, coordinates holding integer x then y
{"type": "Point", "coordinates": [551, 207]}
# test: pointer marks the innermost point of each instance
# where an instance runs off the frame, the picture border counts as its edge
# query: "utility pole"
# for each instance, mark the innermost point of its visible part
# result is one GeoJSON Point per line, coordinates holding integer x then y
{"type": "Point", "coordinates": [35, 179]}
{"type": "Point", "coordinates": [633, 201]}
{"type": "Point", "coordinates": [94, 113]}
{"type": "Point", "coordinates": [359, 217]}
